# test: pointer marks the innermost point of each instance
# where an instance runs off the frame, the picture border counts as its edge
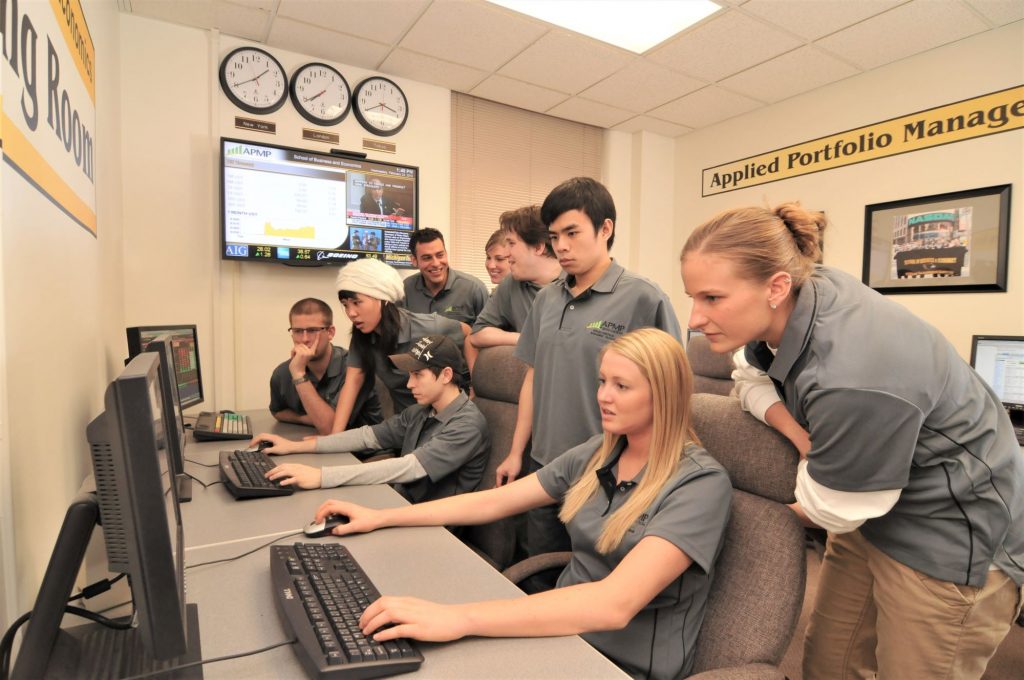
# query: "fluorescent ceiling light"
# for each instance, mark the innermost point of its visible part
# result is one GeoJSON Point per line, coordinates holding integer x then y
{"type": "Point", "coordinates": [636, 25]}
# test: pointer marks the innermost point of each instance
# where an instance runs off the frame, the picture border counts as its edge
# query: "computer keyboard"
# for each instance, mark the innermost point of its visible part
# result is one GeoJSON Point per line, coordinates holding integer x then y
{"type": "Point", "coordinates": [222, 426]}
{"type": "Point", "coordinates": [243, 474]}
{"type": "Point", "coordinates": [321, 592]}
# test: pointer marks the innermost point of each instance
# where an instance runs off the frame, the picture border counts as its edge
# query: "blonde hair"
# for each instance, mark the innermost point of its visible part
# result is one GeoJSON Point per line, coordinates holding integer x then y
{"type": "Point", "coordinates": [496, 239]}
{"type": "Point", "coordinates": [761, 241]}
{"type": "Point", "coordinates": [662, 362]}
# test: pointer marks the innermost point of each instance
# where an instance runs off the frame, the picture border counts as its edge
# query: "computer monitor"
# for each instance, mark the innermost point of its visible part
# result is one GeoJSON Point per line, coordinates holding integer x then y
{"type": "Point", "coordinates": [999, 360]}
{"type": "Point", "coordinates": [137, 505]}
{"type": "Point", "coordinates": [185, 350]}
{"type": "Point", "coordinates": [174, 429]}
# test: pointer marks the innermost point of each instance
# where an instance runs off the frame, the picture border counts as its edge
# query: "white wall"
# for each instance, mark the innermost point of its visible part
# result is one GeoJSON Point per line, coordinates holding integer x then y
{"type": "Point", "coordinates": [62, 314]}
{"type": "Point", "coordinates": [172, 204]}
{"type": "Point", "coordinates": [974, 66]}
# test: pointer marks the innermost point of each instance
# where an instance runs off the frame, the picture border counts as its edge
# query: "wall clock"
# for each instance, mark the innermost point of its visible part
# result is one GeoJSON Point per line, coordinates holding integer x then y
{"type": "Point", "coordinates": [320, 94]}
{"type": "Point", "coordinates": [254, 80]}
{"type": "Point", "coordinates": [380, 106]}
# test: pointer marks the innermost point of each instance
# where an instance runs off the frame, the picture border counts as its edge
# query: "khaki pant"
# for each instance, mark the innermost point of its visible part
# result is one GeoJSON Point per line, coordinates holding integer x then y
{"type": "Point", "coordinates": [875, 617]}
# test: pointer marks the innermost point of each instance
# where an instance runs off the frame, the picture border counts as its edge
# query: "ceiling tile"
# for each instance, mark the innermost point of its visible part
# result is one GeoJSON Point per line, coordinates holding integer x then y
{"type": "Point", "coordinates": [723, 45]}
{"type": "Point", "coordinates": [516, 93]}
{"type": "Point", "coordinates": [565, 62]}
{"type": "Point", "coordinates": [430, 70]}
{"type": "Point", "coordinates": [265, 5]}
{"type": "Point", "coordinates": [249, 22]}
{"type": "Point", "coordinates": [313, 40]}
{"type": "Point", "coordinates": [903, 31]}
{"type": "Point", "coordinates": [591, 113]}
{"type": "Point", "coordinates": [704, 107]}
{"type": "Point", "coordinates": [999, 12]}
{"type": "Point", "coordinates": [641, 86]}
{"type": "Point", "coordinates": [794, 72]}
{"type": "Point", "coordinates": [198, 13]}
{"type": "Point", "coordinates": [384, 22]}
{"type": "Point", "coordinates": [815, 18]}
{"type": "Point", "coordinates": [475, 34]}
{"type": "Point", "coordinates": [654, 125]}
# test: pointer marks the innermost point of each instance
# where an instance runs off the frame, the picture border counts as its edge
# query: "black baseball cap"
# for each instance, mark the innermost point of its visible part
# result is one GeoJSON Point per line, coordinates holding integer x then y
{"type": "Point", "coordinates": [432, 351]}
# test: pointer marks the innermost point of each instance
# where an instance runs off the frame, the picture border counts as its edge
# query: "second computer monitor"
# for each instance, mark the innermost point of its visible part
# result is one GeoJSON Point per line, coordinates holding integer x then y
{"type": "Point", "coordinates": [185, 351]}
{"type": "Point", "coordinates": [999, 360]}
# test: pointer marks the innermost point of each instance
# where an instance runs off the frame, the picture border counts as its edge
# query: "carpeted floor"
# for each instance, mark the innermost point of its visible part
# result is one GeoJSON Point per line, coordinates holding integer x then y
{"type": "Point", "coordinates": [1007, 664]}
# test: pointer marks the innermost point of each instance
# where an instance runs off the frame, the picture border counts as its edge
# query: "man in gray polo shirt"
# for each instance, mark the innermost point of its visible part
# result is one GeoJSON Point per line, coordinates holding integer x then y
{"type": "Point", "coordinates": [443, 439]}
{"type": "Point", "coordinates": [571, 320]}
{"type": "Point", "coordinates": [439, 288]}
{"type": "Point", "coordinates": [533, 266]}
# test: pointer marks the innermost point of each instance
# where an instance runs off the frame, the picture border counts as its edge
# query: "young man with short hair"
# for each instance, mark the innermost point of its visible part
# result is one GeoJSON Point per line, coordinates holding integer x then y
{"type": "Point", "coordinates": [569, 323]}
{"type": "Point", "coordinates": [438, 288]}
{"type": "Point", "coordinates": [443, 438]}
{"type": "Point", "coordinates": [304, 389]}
{"type": "Point", "coordinates": [533, 266]}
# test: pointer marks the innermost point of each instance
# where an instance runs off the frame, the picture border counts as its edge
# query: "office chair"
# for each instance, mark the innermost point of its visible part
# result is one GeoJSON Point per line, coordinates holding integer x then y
{"type": "Point", "coordinates": [712, 372]}
{"type": "Point", "coordinates": [755, 601]}
{"type": "Point", "coordinates": [497, 377]}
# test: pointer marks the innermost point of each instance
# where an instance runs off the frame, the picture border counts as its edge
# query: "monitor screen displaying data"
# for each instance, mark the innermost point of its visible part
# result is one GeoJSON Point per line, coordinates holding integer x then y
{"type": "Point", "coordinates": [999, 360]}
{"type": "Point", "coordinates": [301, 207]}
{"type": "Point", "coordinates": [185, 352]}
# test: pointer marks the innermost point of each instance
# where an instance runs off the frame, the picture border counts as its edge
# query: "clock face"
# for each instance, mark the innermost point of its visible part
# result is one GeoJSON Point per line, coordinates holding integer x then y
{"type": "Point", "coordinates": [253, 80]}
{"type": "Point", "coordinates": [320, 94]}
{"type": "Point", "coordinates": [381, 106]}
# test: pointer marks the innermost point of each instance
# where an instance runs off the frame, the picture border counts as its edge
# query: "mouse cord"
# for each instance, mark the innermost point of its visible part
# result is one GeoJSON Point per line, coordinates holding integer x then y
{"type": "Point", "coordinates": [249, 552]}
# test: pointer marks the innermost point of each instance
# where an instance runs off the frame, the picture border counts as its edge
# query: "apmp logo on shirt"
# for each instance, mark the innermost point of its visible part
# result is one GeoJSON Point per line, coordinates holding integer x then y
{"type": "Point", "coordinates": [640, 524]}
{"type": "Point", "coordinates": [608, 330]}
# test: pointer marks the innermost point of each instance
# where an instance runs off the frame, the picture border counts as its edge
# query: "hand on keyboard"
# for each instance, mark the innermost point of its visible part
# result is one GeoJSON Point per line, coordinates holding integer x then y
{"type": "Point", "coordinates": [390, 618]}
{"type": "Point", "coordinates": [296, 474]}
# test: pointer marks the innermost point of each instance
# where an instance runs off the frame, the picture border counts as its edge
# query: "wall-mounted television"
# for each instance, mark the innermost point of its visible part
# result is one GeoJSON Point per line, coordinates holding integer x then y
{"type": "Point", "coordinates": [301, 207]}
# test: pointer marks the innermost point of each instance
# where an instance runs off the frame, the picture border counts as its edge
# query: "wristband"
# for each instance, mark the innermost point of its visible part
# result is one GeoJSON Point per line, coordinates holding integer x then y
{"type": "Point", "coordinates": [300, 380]}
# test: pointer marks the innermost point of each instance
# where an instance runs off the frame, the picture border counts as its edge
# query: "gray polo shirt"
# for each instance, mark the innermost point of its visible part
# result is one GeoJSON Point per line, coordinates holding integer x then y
{"type": "Point", "coordinates": [690, 512]}
{"type": "Point", "coordinates": [562, 338]}
{"type": "Point", "coordinates": [890, 405]}
{"type": "Point", "coordinates": [283, 395]}
{"type": "Point", "coordinates": [414, 326]}
{"type": "Point", "coordinates": [462, 297]}
{"type": "Point", "coordinates": [508, 306]}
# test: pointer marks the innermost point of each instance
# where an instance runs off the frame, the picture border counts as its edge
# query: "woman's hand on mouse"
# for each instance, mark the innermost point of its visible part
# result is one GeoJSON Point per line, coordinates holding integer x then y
{"type": "Point", "coordinates": [279, 445]}
{"type": "Point", "coordinates": [296, 474]}
{"type": "Point", "coordinates": [360, 519]}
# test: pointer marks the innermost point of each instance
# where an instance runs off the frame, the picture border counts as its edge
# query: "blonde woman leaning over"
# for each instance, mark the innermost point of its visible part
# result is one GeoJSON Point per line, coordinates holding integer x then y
{"type": "Point", "coordinates": [910, 460]}
{"type": "Point", "coordinates": [644, 504]}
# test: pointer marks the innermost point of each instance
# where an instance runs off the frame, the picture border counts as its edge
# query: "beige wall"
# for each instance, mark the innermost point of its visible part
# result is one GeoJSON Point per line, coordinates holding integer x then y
{"type": "Point", "coordinates": [62, 317]}
{"type": "Point", "coordinates": [978, 65]}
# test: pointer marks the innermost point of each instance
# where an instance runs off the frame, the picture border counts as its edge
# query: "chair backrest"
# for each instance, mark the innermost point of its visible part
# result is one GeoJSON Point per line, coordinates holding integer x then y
{"type": "Point", "coordinates": [387, 405]}
{"type": "Point", "coordinates": [712, 372]}
{"type": "Point", "coordinates": [758, 591]}
{"type": "Point", "coordinates": [497, 377]}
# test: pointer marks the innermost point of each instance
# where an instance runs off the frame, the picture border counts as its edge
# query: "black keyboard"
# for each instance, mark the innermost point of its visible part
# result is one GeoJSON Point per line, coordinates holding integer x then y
{"type": "Point", "coordinates": [321, 592]}
{"type": "Point", "coordinates": [243, 474]}
{"type": "Point", "coordinates": [211, 425]}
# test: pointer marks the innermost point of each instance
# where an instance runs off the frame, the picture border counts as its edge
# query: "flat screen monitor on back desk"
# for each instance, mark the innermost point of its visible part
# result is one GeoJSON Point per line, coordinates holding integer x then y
{"type": "Point", "coordinates": [236, 601]}
{"type": "Point", "coordinates": [999, 360]}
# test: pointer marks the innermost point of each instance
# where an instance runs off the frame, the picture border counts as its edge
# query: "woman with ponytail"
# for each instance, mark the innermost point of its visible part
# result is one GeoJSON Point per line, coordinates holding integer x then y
{"type": "Point", "coordinates": [645, 506]}
{"type": "Point", "coordinates": [908, 459]}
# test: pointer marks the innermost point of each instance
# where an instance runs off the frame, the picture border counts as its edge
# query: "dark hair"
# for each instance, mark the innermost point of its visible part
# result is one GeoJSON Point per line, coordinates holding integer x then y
{"type": "Point", "coordinates": [526, 223]}
{"type": "Point", "coordinates": [387, 334]}
{"type": "Point", "coordinates": [312, 306]}
{"type": "Point", "coordinates": [763, 241]}
{"type": "Point", "coordinates": [458, 379]}
{"type": "Point", "coordinates": [584, 194]}
{"type": "Point", "coordinates": [425, 235]}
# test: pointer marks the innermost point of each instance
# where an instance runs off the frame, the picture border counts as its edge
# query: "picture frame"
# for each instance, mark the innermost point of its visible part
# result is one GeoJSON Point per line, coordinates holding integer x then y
{"type": "Point", "coordinates": [955, 242]}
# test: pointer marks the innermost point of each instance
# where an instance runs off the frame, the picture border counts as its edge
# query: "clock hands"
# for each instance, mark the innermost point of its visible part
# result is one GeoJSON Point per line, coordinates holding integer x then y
{"type": "Point", "coordinates": [252, 79]}
{"type": "Point", "coordinates": [309, 99]}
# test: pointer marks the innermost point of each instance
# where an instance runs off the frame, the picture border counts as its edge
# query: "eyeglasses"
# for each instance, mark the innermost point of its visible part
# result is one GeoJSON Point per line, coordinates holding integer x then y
{"type": "Point", "coordinates": [300, 332]}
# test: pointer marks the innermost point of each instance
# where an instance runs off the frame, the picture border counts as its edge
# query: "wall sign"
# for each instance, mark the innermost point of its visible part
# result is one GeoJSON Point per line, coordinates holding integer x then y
{"type": "Point", "coordinates": [980, 116]}
{"type": "Point", "coordinates": [48, 121]}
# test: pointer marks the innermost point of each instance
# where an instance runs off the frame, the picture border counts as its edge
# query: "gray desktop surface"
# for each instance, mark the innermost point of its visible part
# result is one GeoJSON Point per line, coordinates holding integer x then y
{"type": "Point", "coordinates": [236, 608]}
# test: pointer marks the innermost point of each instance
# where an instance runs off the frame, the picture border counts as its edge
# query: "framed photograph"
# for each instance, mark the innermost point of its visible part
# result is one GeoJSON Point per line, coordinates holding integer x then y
{"type": "Point", "coordinates": [947, 243]}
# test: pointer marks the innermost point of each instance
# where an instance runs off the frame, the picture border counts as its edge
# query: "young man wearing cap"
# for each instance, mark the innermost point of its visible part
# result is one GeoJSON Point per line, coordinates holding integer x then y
{"type": "Point", "coordinates": [304, 389]}
{"type": "Point", "coordinates": [443, 439]}
{"type": "Point", "coordinates": [570, 321]}
{"type": "Point", "coordinates": [533, 266]}
{"type": "Point", "coordinates": [439, 288]}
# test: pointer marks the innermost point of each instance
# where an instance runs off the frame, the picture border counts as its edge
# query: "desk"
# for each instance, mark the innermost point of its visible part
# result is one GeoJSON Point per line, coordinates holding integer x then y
{"type": "Point", "coordinates": [236, 610]}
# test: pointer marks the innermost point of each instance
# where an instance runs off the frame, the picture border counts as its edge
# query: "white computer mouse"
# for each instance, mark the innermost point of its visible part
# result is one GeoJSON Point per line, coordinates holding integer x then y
{"type": "Point", "coordinates": [324, 528]}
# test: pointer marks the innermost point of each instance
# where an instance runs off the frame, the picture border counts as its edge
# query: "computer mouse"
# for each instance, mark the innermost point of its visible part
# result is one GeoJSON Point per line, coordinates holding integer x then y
{"type": "Point", "coordinates": [264, 444]}
{"type": "Point", "coordinates": [318, 529]}
{"type": "Point", "coordinates": [226, 411]}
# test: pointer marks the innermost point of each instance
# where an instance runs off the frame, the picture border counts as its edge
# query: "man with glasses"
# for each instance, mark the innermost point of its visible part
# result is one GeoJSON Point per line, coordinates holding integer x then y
{"type": "Point", "coordinates": [305, 388]}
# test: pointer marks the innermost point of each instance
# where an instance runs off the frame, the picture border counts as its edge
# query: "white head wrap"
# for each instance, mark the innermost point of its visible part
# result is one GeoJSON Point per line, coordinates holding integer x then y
{"type": "Point", "coordinates": [371, 277]}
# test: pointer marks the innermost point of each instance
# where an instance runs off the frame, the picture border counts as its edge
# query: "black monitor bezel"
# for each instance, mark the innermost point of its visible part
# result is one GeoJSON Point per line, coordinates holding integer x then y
{"type": "Point", "coordinates": [975, 339]}
{"type": "Point", "coordinates": [134, 335]}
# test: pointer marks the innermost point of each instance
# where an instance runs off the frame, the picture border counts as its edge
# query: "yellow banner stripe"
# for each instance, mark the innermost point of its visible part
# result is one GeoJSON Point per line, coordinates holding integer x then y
{"type": "Point", "coordinates": [71, 20]}
{"type": "Point", "coordinates": [980, 116]}
{"type": "Point", "coordinates": [24, 157]}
